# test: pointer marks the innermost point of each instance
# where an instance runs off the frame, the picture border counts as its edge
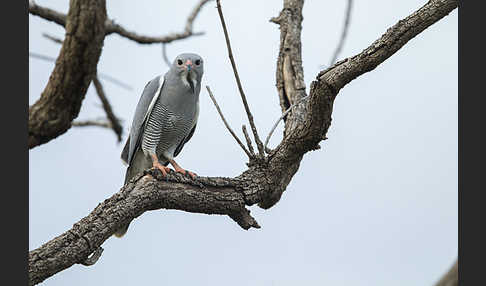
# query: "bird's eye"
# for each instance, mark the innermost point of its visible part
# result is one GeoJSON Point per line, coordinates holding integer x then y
{"type": "Point", "coordinates": [198, 62]}
{"type": "Point", "coordinates": [179, 62]}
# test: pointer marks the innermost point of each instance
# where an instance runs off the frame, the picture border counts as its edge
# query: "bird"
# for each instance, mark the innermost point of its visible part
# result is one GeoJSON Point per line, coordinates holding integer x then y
{"type": "Point", "coordinates": [165, 120]}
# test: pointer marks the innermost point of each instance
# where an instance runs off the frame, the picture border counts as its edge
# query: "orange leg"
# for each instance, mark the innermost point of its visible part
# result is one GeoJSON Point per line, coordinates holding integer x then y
{"type": "Point", "coordinates": [157, 165]}
{"type": "Point", "coordinates": [178, 169]}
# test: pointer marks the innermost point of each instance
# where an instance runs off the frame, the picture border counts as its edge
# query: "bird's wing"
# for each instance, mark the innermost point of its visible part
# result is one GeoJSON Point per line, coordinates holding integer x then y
{"type": "Point", "coordinates": [149, 96]}
{"type": "Point", "coordinates": [184, 141]}
{"type": "Point", "coordinates": [189, 136]}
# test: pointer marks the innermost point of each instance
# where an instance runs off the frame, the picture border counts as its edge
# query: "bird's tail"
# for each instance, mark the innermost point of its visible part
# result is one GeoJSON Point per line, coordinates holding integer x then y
{"type": "Point", "coordinates": [121, 232]}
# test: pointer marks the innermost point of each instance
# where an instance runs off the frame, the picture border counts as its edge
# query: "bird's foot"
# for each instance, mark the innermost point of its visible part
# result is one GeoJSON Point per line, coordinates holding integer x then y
{"type": "Point", "coordinates": [162, 168]}
{"type": "Point", "coordinates": [183, 172]}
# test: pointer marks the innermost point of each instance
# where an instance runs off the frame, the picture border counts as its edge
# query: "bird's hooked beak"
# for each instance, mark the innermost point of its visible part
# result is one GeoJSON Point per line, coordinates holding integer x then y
{"type": "Point", "coordinates": [188, 65]}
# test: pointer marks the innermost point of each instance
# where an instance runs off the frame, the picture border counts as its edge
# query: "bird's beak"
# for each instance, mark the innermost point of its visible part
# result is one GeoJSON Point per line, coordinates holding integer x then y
{"type": "Point", "coordinates": [189, 65]}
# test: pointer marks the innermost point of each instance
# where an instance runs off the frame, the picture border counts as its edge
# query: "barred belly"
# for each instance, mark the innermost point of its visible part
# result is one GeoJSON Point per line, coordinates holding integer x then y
{"type": "Point", "coordinates": [164, 130]}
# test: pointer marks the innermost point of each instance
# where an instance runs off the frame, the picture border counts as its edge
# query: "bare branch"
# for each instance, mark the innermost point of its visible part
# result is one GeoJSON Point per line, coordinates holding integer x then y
{"type": "Point", "coordinates": [42, 57]}
{"type": "Point", "coordinates": [114, 122]}
{"type": "Point", "coordinates": [290, 73]}
{"type": "Point", "coordinates": [227, 125]}
{"type": "Point", "coordinates": [164, 55]}
{"type": "Point", "coordinates": [52, 38]}
{"type": "Point", "coordinates": [344, 32]}
{"type": "Point", "coordinates": [61, 99]}
{"type": "Point", "coordinates": [88, 123]}
{"type": "Point", "coordinates": [141, 194]}
{"type": "Point", "coordinates": [248, 140]}
{"type": "Point", "coordinates": [47, 14]}
{"type": "Point", "coordinates": [113, 28]}
{"type": "Point", "coordinates": [282, 117]}
{"type": "Point", "coordinates": [451, 277]}
{"type": "Point", "coordinates": [101, 75]}
{"type": "Point", "coordinates": [238, 82]}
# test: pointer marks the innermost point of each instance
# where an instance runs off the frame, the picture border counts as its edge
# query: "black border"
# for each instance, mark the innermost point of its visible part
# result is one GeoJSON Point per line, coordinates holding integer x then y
{"type": "Point", "coordinates": [472, 110]}
{"type": "Point", "coordinates": [15, 164]}
{"type": "Point", "coordinates": [15, 115]}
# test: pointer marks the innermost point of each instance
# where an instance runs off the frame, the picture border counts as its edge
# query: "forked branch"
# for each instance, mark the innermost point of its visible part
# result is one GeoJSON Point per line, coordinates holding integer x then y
{"type": "Point", "coordinates": [238, 82]}
{"type": "Point", "coordinates": [227, 125]}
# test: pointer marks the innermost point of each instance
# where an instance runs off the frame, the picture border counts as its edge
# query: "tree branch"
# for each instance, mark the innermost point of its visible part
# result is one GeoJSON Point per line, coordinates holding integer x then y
{"type": "Point", "coordinates": [61, 99]}
{"type": "Point", "coordinates": [114, 122]}
{"type": "Point", "coordinates": [451, 277]}
{"type": "Point", "coordinates": [47, 14]}
{"type": "Point", "coordinates": [289, 73]}
{"type": "Point", "coordinates": [238, 82]}
{"type": "Point", "coordinates": [113, 28]}
{"type": "Point", "coordinates": [88, 123]}
{"type": "Point", "coordinates": [143, 193]}
{"type": "Point", "coordinates": [262, 183]}
{"type": "Point", "coordinates": [344, 32]}
{"type": "Point", "coordinates": [101, 75]}
{"type": "Point", "coordinates": [227, 125]}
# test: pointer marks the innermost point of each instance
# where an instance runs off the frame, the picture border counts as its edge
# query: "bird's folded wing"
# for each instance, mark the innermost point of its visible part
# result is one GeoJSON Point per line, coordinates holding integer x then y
{"type": "Point", "coordinates": [144, 107]}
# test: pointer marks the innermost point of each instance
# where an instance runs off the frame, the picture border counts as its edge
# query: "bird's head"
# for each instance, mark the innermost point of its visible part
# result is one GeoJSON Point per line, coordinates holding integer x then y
{"type": "Point", "coordinates": [190, 68]}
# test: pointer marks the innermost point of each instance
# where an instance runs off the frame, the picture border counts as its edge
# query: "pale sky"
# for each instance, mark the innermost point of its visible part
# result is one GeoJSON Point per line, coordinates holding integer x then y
{"type": "Point", "coordinates": [377, 205]}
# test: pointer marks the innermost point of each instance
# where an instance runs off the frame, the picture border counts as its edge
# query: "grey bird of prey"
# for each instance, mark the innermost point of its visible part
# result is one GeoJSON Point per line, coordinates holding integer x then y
{"type": "Point", "coordinates": [164, 120]}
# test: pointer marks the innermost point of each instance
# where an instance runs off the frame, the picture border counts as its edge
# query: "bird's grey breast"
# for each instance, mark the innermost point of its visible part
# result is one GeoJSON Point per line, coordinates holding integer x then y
{"type": "Point", "coordinates": [175, 113]}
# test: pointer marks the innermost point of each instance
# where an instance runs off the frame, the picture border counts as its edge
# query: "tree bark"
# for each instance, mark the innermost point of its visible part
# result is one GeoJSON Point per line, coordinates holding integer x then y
{"type": "Point", "coordinates": [61, 99]}
{"type": "Point", "coordinates": [451, 277]}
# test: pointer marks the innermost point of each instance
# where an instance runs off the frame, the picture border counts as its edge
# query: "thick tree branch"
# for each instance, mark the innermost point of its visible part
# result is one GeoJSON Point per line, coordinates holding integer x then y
{"type": "Point", "coordinates": [113, 28]}
{"type": "Point", "coordinates": [61, 99]}
{"type": "Point", "coordinates": [289, 72]}
{"type": "Point", "coordinates": [263, 182]}
{"type": "Point", "coordinates": [143, 193]}
{"type": "Point", "coordinates": [395, 37]}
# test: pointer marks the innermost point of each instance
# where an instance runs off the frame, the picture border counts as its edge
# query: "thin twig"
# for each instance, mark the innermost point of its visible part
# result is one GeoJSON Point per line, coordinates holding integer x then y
{"type": "Point", "coordinates": [115, 123]}
{"type": "Point", "coordinates": [164, 55]}
{"type": "Point", "coordinates": [227, 125]}
{"type": "Point", "coordinates": [238, 82]}
{"type": "Point", "coordinates": [88, 123]}
{"type": "Point", "coordinates": [343, 34]}
{"type": "Point", "coordinates": [52, 38]}
{"type": "Point", "coordinates": [112, 27]}
{"type": "Point", "coordinates": [248, 140]}
{"type": "Point", "coordinates": [282, 117]}
{"type": "Point", "coordinates": [101, 75]}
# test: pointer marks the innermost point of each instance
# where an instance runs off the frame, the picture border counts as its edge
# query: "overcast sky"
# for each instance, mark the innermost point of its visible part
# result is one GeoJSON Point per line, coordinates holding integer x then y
{"type": "Point", "coordinates": [377, 205]}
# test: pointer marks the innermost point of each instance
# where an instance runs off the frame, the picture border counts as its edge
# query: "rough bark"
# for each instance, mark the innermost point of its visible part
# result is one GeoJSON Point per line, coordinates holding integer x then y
{"type": "Point", "coordinates": [265, 179]}
{"type": "Point", "coordinates": [61, 99]}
